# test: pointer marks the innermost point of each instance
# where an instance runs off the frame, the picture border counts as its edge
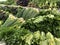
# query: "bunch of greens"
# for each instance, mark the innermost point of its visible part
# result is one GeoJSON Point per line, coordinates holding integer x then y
{"type": "Point", "coordinates": [50, 22]}
{"type": "Point", "coordinates": [14, 36]}
{"type": "Point", "coordinates": [45, 3]}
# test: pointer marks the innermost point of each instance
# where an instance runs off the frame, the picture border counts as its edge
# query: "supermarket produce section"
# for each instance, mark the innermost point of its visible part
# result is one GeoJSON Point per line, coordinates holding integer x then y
{"type": "Point", "coordinates": [30, 22]}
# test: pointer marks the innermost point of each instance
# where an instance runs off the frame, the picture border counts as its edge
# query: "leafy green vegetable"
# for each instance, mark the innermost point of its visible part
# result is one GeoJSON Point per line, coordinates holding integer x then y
{"type": "Point", "coordinates": [11, 19]}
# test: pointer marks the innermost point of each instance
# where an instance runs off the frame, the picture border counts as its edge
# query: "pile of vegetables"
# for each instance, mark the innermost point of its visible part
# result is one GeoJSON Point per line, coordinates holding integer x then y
{"type": "Point", "coordinates": [38, 25]}
{"type": "Point", "coordinates": [34, 3]}
{"type": "Point", "coordinates": [25, 37]}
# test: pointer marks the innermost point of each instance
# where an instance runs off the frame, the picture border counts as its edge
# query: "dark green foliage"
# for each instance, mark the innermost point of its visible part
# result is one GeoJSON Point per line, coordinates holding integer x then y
{"type": "Point", "coordinates": [3, 15]}
{"type": "Point", "coordinates": [58, 3]}
{"type": "Point", "coordinates": [46, 23]}
{"type": "Point", "coordinates": [40, 26]}
{"type": "Point", "coordinates": [13, 36]}
{"type": "Point", "coordinates": [12, 10]}
{"type": "Point", "coordinates": [39, 23]}
{"type": "Point", "coordinates": [20, 12]}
